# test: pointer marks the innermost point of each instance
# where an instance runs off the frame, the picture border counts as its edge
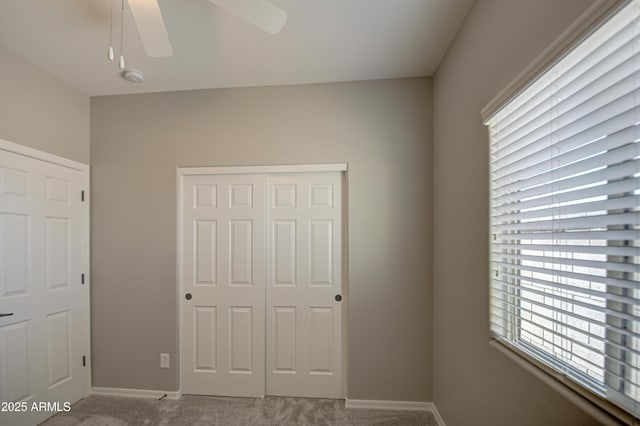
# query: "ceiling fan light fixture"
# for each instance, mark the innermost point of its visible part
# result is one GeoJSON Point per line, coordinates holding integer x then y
{"type": "Point", "coordinates": [133, 76]}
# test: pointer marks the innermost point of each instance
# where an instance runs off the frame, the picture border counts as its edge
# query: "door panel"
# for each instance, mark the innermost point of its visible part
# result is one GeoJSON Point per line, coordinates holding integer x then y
{"type": "Point", "coordinates": [321, 341]}
{"type": "Point", "coordinates": [59, 348]}
{"type": "Point", "coordinates": [205, 252]}
{"type": "Point", "coordinates": [284, 253]}
{"type": "Point", "coordinates": [14, 347]}
{"type": "Point", "coordinates": [320, 252]}
{"type": "Point", "coordinates": [206, 342]}
{"type": "Point", "coordinates": [57, 252]}
{"type": "Point", "coordinates": [40, 273]}
{"type": "Point", "coordinates": [241, 339]}
{"type": "Point", "coordinates": [14, 253]}
{"type": "Point", "coordinates": [304, 274]}
{"type": "Point", "coordinates": [223, 269]}
{"type": "Point", "coordinates": [241, 250]}
{"type": "Point", "coordinates": [284, 339]}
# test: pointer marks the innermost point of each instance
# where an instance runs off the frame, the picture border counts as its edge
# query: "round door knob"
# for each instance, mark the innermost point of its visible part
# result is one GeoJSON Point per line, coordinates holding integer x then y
{"type": "Point", "coordinates": [338, 297]}
{"type": "Point", "coordinates": [187, 296]}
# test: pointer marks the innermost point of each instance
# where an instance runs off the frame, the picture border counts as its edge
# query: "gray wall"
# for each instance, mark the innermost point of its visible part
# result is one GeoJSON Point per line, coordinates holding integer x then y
{"type": "Point", "coordinates": [42, 112]}
{"type": "Point", "coordinates": [381, 128]}
{"type": "Point", "coordinates": [473, 383]}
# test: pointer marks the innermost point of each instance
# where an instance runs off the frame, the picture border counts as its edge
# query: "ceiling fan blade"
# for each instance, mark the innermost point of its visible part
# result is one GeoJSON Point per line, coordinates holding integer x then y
{"type": "Point", "coordinates": [260, 13]}
{"type": "Point", "coordinates": [148, 19]}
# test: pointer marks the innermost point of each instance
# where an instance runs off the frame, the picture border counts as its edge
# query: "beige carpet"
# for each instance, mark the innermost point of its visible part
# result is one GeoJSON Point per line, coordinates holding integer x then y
{"type": "Point", "coordinates": [204, 410]}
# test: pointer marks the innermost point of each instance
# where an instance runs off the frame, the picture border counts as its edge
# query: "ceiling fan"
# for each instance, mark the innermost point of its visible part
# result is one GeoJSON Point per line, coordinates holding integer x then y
{"type": "Point", "coordinates": [146, 14]}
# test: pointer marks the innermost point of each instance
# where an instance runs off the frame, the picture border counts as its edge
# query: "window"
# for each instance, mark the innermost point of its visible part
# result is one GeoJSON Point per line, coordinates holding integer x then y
{"type": "Point", "coordinates": [565, 216]}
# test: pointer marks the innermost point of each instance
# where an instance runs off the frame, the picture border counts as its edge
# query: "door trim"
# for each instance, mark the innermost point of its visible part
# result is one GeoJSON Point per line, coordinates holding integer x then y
{"type": "Point", "coordinates": [182, 171]}
{"type": "Point", "coordinates": [85, 248]}
{"type": "Point", "coordinates": [238, 170]}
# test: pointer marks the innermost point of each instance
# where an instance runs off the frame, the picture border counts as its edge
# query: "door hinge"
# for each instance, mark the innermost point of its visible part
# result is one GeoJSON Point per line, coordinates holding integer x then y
{"type": "Point", "coordinates": [84, 360]}
{"type": "Point", "coordinates": [81, 278]}
{"type": "Point", "coordinates": [82, 195]}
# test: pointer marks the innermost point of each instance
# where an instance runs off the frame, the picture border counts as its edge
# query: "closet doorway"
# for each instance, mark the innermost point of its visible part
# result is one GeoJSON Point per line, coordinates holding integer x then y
{"type": "Point", "coordinates": [261, 280]}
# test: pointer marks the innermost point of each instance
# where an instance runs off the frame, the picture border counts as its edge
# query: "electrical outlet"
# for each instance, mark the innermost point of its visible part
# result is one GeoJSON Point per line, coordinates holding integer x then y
{"type": "Point", "coordinates": [164, 360]}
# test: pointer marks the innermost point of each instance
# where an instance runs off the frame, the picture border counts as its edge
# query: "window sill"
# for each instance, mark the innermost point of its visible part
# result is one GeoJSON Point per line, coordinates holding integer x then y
{"type": "Point", "coordinates": [600, 409]}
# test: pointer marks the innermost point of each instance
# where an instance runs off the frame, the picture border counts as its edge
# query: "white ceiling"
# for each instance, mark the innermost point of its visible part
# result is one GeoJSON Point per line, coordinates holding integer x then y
{"type": "Point", "coordinates": [322, 41]}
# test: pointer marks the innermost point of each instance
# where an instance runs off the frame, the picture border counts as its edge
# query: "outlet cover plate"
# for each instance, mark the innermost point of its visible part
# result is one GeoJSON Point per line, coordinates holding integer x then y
{"type": "Point", "coordinates": [164, 360]}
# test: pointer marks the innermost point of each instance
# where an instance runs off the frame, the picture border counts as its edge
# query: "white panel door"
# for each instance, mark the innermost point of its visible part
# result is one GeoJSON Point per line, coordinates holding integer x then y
{"type": "Point", "coordinates": [304, 281]}
{"type": "Point", "coordinates": [41, 333]}
{"type": "Point", "coordinates": [222, 277]}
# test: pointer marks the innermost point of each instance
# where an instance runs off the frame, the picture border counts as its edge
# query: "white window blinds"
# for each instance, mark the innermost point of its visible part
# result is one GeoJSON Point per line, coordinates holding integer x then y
{"type": "Point", "coordinates": [565, 221]}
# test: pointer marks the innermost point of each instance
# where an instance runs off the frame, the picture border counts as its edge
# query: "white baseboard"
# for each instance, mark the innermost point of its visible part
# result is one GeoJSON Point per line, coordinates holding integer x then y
{"type": "Point", "coordinates": [135, 393]}
{"type": "Point", "coordinates": [437, 416]}
{"type": "Point", "coordinates": [396, 405]}
{"type": "Point", "coordinates": [389, 405]}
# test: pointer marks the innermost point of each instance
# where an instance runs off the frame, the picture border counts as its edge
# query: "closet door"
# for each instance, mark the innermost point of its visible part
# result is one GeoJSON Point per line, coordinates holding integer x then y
{"type": "Point", "coordinates": [223, 293]}
{"type": "Point", "coordinates": [41, 295]}
{"type": "Point", "coordinates": [304, 285]}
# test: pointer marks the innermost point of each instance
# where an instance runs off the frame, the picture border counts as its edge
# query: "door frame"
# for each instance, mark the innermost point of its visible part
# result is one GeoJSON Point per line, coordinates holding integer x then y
{"type": "Point", "coordinates": [85, 245]}
{"type": "Point", "coordinates": [183, 171]}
